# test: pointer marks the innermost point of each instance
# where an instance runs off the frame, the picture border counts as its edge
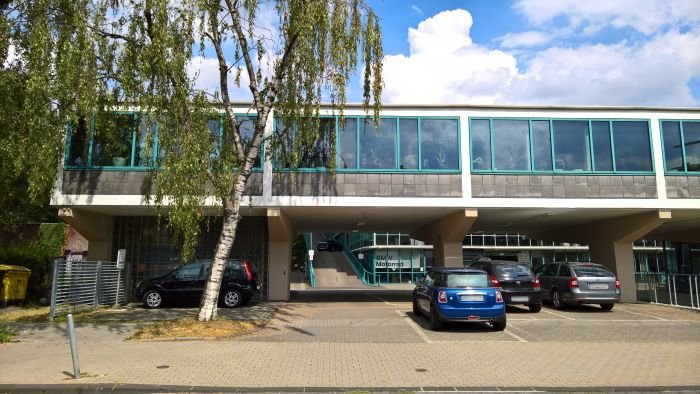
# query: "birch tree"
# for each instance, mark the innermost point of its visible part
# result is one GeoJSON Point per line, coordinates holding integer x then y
{"type": "Point", "coordinates": [84, 59]}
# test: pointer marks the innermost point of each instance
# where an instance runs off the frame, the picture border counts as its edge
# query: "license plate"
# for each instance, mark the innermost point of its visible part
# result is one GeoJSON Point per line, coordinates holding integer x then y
{"type": "Point", "coordinates": [520, 299]}
{"type": "Point", "coordinates": [598, 286]}
{"type": "Point", "coordinates": [472, 298]}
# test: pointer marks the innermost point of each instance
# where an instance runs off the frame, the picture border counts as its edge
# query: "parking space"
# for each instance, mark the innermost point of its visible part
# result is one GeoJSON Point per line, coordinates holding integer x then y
{"type": "Point", "coordinates": [382, 316]}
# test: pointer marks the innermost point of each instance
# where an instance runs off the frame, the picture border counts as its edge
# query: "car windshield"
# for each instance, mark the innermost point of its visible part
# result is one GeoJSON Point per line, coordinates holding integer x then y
{"type": "Point", "coordinates": [465, 279]}
{"type": "Point", "coordinates": [590, 270]}
{"type": "Point", "coordinates": [512, 270]}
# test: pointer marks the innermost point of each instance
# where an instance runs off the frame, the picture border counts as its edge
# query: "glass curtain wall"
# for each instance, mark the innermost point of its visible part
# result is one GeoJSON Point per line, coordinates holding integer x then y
{"type": "Point", "coordinates": [560, 145]}
{"type": "Point", "coordinates": [395, 144]}
{"type": "Point", "coordinates": [121, 140]}
{"type": "Point", "coordinates": [681, 140]}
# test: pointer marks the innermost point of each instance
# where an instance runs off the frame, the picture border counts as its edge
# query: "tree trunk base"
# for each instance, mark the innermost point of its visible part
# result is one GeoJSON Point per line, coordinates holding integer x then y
{"type": "Point", "coordinates": [208, 313]}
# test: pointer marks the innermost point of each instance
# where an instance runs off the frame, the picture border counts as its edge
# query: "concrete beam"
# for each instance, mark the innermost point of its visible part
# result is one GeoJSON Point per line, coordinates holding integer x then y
{"type": "Point", "coordinates": [449, 228]}
{"type": "Point", "coordinates": [92, 226]}
{"type": "Point", "coordinates": [280, 226]}
{"type": "Point", "coordinates": [446, 235]}
{"type": "Point", "coordinates": [96, 228]}
{"type": "Point", "coordinates": [620, 229]}
{"type": "Point", "coordinates": [281, 235]}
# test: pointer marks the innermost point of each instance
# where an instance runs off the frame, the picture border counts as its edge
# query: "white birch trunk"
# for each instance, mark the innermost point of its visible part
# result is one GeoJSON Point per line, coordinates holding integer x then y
{"type": "Point", "coordinates": [210, 297]}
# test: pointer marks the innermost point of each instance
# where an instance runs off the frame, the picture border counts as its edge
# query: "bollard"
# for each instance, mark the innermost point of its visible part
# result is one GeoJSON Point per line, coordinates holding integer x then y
{"type": "Point", "coordinates": [73, 347]}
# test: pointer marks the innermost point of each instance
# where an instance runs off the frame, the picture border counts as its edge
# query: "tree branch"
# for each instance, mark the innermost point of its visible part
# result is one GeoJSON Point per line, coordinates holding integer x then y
{"type": "Point", "coordinates": [281, 70]}
{"type": "Point", "coordinates": [215, 38]}
{"type": "Point", "coordinates": [243, 42]}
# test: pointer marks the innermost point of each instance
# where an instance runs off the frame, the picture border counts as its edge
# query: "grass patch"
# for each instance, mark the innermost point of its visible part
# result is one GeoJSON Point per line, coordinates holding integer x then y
{"type": "Point", "coordinates": [6, 333]}
{"type": "Point", "coordinates": [27, 314]}
{"type": "Point", "coordinates": [189, 327]}
{"type": "Point", "coordinates": [40, 314]}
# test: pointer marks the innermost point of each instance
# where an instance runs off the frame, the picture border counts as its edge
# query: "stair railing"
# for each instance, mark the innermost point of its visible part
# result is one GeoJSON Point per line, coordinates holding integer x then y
{"type": "Point", "coordinates": [309, 263]}
{"type": "Point", "coordinates": [367, 278]}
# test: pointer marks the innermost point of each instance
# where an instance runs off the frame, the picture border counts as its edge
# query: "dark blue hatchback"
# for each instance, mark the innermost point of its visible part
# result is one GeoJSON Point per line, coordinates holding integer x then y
{"type": "Point", "coordinates": [459, 295]}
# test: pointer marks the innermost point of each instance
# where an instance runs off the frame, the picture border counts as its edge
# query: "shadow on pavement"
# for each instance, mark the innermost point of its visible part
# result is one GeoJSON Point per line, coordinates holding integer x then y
{"type": "Point", "coordinates": [350, 295]}
{"type": "Point", "coordinates": [423, 322]}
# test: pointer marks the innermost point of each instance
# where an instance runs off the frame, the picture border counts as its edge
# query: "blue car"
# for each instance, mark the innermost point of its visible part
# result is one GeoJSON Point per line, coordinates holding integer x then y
{"type": "Point", "coordinates": [459, 295]}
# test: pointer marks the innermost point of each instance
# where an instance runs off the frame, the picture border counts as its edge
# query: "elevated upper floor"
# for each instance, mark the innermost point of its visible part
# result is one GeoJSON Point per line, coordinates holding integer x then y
{"type": "Point", "coordinates": [456, 155]}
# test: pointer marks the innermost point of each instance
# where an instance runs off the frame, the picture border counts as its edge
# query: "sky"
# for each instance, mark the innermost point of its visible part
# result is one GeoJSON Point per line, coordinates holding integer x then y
{"type": "Point", "coordinates": [540, 52]}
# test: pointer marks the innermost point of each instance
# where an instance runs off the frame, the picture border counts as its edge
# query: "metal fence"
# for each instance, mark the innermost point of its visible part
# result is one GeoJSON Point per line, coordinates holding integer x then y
{"type": "Point", "coordinates": [670, 289]}
{"type": "Point", "coordinates": [81, 285]}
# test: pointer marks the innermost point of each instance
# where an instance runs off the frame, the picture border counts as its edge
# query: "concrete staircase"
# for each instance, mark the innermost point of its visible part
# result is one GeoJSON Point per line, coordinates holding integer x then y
{"type": "Point", "coordinates": [332, 269]}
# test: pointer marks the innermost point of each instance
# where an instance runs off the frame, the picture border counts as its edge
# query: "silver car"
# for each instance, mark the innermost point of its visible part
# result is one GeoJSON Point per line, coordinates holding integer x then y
{"type": "Point", "coordinates": [579, 283]}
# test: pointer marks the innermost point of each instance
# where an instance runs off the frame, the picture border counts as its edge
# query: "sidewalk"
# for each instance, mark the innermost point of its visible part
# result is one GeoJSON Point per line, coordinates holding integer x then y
{"type": "Point", "coordinates": [375, 344]}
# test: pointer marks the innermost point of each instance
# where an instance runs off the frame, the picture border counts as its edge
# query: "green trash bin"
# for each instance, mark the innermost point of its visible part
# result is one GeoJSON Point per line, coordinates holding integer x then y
{"type": "Point", "coordinates": [13, 284]}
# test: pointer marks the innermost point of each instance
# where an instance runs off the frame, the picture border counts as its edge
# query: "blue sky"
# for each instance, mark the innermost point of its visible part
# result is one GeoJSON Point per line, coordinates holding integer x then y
{"type": "Point", "coordinates": [558, 52]}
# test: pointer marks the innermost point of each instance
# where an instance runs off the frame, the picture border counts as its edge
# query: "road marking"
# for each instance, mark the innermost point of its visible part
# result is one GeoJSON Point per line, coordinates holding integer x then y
{"type": "Point", "coordinates": [379, 298]}
{"type": "Point", "coordinates": [475, 341]}
{"type": "Point", "coordinates": [389, 303]}
{"type": "Point", "coordinates": [558, 314]}
{"type": "Point", "coordinates": [415, 327]}
{"type": "Point", "coordinates": [641, 314]}
{"type": "Point", "coordinates": [631, 320]}
{"type": "Point", "coordinates": [514, 336]}
{"type": "Point", "coordinates": [422, 390]}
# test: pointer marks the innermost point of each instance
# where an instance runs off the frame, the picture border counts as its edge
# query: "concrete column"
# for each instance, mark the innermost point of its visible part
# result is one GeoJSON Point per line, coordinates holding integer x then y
{"type": "Point", "coordinates": [279, 266]}
{"type": "Point", "coordinates": [281, 236]}
{"type": "Point", "coordinates": [610, 243]}
{"type": "Point", "coordinates": [99, 251]}
{"type": "Point", "coordinates": [448, 254]}
{"type": "Point", "coordinates": [98, 229]}
{"type": "Point", "coordinates": [446, 235]}
{"type": "Point", "coordinates": [619, 258]}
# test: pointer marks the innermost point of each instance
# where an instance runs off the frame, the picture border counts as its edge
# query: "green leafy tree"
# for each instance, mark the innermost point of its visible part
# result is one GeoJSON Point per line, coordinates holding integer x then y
{"type": "Point", "coordinates": [88, 58]}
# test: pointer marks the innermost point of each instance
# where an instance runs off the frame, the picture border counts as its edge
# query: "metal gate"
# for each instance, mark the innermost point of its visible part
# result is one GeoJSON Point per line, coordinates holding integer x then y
{"type": "Point", "coordinates": [81, 285]}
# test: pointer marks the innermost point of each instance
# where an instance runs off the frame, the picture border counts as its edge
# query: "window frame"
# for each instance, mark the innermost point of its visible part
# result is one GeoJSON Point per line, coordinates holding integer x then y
{"type": "Point", "coordinates": [134, 142]}
{"type": "Point", "coordinates": [685, 171]}
{"type": "Point", "coordinates": [397, 147]}
{"type": "Point", "coordinates": [554, 170]}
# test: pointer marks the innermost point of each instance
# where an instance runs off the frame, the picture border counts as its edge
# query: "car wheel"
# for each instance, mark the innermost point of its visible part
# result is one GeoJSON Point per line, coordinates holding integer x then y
{"type": "Point", "coordinates": [499, 325]}
{"type": "Point", "coordinates": [606, 307]}
{"type": "Point", "coordinates": [416, 308]}
{"type": "Point", "coordinates": [152, 299]}
{"type": "Point", "coordinates": [556, 300]}
{"type": "Point", "coordinates": [435, 323]}
{"type": "Point", "coordinates": [534, 308]}
{"type": "Point", "coordinates": [232, 298]}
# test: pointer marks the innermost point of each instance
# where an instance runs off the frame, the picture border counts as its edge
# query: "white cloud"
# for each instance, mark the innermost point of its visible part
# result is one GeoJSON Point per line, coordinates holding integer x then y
{"type": "Point", "coordinates": [417, 9]}
{"type": "Point", "coordinates": [451, 27]}
{"type": "Point", "coordinates": [654, 73]}
{"type": "Point", "coordinates": [443, 61]}
{"type": "Point", "coordinates": [205, 71]}
{"type": "Point", "coordinates": [647, 16]}
{"type": "Point", "coordinates": [525, 39]}
{"type": "Point", "coordinates": [445, 66]}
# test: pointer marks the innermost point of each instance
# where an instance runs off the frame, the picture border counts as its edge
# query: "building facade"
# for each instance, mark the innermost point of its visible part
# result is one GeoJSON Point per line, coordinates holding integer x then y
{"type": "Point", "coordinates": [597, 176]}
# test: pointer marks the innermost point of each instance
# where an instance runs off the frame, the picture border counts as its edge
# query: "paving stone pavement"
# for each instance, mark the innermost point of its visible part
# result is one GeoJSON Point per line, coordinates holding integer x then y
{"type": "Point", "coordinates": [371, 339]}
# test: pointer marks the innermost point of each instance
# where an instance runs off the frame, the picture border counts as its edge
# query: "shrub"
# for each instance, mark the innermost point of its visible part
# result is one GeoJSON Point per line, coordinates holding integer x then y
{"type": "Point", "coordinates": [38, 256]}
